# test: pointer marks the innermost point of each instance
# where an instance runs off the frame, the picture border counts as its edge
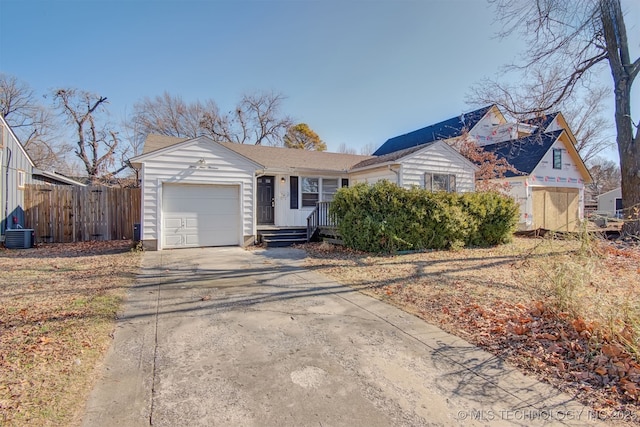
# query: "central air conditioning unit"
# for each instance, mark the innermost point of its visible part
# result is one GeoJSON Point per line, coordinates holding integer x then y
{"type": "Point", "coordinates": [18, 238]}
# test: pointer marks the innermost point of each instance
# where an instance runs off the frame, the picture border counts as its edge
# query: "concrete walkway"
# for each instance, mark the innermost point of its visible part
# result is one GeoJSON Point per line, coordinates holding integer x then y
{"type": "Point", "coordinates": [224, 336]}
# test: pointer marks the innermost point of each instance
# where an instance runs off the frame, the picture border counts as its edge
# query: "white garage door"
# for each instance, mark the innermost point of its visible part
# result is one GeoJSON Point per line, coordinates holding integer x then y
{"type": "Point", "coordinates": [200, 215]}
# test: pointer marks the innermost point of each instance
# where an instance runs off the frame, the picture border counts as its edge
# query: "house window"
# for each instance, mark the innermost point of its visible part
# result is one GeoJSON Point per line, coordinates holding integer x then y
{"type": "Point", "coordinates": [310, 191]}
{"type": "Point", "coordinates": [21, 179]}
{"type": "Point", "coordinates": [557, 158]}
{"type": "Point", "coordinates": [440, 182]}
{"type": "Point", "coordinates": [329, 189]}
{"type": "Point", "coordinates": [318, 189]}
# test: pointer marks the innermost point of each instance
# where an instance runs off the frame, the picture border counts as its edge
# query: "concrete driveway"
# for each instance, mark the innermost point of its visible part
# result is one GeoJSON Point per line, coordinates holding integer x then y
{"type": "Point", "coordinates": [224, 336]}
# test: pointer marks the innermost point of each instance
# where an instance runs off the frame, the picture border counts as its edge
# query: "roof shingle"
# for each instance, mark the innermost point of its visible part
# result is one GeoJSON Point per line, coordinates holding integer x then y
{"type": "Point", "coordinates": [272, 157]}
{"type": "Point", "coordinates": [444, 130]}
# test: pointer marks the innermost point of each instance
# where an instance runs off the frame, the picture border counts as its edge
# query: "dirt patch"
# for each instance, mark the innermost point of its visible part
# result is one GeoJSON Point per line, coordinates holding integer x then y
{"type": "Point", "coordinates": [566, 311]}
{"type": "Point", "coordinates": [58, 304]}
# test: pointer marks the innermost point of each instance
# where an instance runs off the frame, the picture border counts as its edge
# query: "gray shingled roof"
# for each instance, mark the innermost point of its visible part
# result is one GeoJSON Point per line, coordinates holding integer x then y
{"type": "Point", "coordinates": [272, 157]}
{"type": "Point", "coordinates": [391, 156]}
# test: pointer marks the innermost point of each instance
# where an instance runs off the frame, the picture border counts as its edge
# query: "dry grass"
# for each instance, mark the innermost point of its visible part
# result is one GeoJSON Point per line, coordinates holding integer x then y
{"type": "Point", "coordinates": [566, 310]}
{"type": "Point", "coordinates": [57, 311]}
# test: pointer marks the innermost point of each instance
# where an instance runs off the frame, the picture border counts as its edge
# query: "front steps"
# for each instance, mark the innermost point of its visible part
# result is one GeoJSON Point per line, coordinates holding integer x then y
{"type": "Point", "coordinates": [281, 237]}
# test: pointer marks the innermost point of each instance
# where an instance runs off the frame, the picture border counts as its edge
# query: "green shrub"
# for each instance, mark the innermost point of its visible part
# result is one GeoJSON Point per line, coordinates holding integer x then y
{"type": "Point", "coordinates": [386, 218]}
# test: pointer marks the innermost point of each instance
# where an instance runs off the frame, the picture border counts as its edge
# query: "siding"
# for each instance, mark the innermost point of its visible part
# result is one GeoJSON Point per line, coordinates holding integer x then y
{"type": "Point", "coordinates": [12, 197]}
{"type": "Point", "coordinates": [180, 165]}
{"type": "Point", "coordinates": [545, 177]}
{"type": "Point", "coordinates": [371, 176]}
{"type": "Point", "coordinates": [284, 215]}
{"type": "Point", "coordinates": [437, 158]}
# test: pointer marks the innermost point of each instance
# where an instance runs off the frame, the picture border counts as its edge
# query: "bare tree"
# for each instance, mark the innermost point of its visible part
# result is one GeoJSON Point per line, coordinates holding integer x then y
{"type": "Point", "coordinates": [169, 115]}
{"type": "Point", "coordinates": [569, 40]}
{"type": "Point", "coordinates": [605, 174]}
{"type": "Point", "coordinates": [583, 111]}
{"type": "Point", "coordinates": [256, 120]}
{"type": "Point", "coordinates": [368, 149]}
{"type": "Point", "coordinates": [96, 146]}
{"type": "Point", "coordinates": [33, 123]}
{"type": "Point", "coordinates": [344, 149]}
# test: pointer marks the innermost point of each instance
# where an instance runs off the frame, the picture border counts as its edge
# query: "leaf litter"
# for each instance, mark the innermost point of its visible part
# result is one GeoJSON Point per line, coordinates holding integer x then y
{"type": "Point", "coordinates": [58, 304]}
{"type": "Point", "coordinates": [570, 318]}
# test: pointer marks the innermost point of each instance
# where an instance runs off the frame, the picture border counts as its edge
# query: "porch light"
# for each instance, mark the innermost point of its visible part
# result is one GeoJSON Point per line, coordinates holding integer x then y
{"type": "Point", "coordinates": [283, 180]}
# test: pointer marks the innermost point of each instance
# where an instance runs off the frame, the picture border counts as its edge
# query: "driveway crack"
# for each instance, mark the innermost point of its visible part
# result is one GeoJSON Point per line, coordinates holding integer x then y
{"type": "Point", "coordinates": [155, 356]}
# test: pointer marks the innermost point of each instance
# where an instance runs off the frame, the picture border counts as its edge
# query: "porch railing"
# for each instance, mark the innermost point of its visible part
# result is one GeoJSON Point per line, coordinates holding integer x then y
{"type": "Point", "coordinates": [318, 218]}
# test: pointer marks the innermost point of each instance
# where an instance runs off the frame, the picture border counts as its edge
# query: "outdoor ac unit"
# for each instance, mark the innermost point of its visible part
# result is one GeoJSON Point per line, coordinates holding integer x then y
{"type": "Point", "coordinates": [18, 238]}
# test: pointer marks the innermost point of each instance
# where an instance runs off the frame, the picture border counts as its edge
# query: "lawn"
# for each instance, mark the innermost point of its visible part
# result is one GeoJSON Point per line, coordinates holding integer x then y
{"type": "Point", "coordinates": [58, 305]}
{"type": "Point", "coordinates": [567, 311]}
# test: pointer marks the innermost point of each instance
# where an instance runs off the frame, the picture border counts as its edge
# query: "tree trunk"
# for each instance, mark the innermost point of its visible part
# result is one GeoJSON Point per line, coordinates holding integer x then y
{"type": "Point", "coordinates": [623, 72]}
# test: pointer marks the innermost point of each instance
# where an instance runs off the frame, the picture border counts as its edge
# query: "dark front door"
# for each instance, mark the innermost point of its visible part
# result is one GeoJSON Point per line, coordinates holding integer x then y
{"type": "Point", "coordinates": [266, 201]}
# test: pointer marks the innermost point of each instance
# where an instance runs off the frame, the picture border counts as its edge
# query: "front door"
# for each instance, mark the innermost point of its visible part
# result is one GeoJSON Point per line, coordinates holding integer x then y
{"type": "Point", "coordinates": [266, 201]}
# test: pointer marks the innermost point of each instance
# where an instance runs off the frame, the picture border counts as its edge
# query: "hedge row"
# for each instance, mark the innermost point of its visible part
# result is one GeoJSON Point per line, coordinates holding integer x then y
{"type": "Point", "coordinates": [386, 218]}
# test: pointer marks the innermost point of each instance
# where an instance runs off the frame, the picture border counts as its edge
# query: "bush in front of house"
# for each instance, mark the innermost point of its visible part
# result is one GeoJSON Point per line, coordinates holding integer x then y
{"type": "Point", "coordinates": [386, 218]}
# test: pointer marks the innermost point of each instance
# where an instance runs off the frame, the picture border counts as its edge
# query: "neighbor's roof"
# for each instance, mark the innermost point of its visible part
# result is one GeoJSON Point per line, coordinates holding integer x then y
{"type": "Point", "coordinates": [524, 154]}
{"type": "Point", "coordinates": [450, 128]}
{"type": "Point", "coordinates": [272, 157]}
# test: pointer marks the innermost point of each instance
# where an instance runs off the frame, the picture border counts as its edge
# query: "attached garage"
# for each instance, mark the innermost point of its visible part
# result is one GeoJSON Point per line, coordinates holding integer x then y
{"type": "Point", "coordinates": [556, 208]}
{"type": "Point", "coordinates": [195, 215]}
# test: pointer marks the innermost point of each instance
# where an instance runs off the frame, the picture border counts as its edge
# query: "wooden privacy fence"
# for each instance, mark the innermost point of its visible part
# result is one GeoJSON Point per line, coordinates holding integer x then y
{"type": "Point", "coordinates": [63, 214]}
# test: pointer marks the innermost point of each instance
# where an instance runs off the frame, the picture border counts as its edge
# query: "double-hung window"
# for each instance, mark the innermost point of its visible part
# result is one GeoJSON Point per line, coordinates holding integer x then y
{"type": "Point", "coordinates": [440, 182]}
{"type": "Point", "coordinates": [310, 191]}
{"type": "Point", "coordinates": [314, 190]}
{"type": "Point", "coordinates": [329, 189]}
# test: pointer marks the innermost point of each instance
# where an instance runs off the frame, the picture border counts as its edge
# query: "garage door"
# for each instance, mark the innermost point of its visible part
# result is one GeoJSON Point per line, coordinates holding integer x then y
{"type": "Point", "coordinates": [200, 215]}
{"type": "Point", "coordinates": [556, 209]}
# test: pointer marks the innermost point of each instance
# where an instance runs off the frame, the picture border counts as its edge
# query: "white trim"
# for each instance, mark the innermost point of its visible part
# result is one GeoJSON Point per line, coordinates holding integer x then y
{"type": "Point", "coordinates": [18, 143]}
{"type": "Point", "coordinates": [237, 184]}
{"type": "Point", "coordinates": [149, 156]}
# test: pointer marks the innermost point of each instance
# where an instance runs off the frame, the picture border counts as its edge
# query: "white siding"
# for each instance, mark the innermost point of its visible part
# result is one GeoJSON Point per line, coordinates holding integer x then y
{"type": "Point", "coordinates": [371, 176]}
{"type": "Point", "coordinates": [607, 201]}
{"type": "Point", "coordinates": [13, 161]}
{"type": "Point", "coordinates": [180, 165]}
{"type": "Point", "coordinates": [284, 215]}
{"type": "Point", "coordinates": [437, 158]}
{"type": "Point", "coordinates": [521, 188]}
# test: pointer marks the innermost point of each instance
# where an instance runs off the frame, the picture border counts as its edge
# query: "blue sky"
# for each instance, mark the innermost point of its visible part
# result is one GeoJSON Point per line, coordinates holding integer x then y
{"type": "Point", "coordinates": [357, 71]}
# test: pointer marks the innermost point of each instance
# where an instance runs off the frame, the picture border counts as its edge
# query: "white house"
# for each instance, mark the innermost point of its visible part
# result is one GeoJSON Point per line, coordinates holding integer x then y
{"type": "Point", "coordinates": [550, 184]}
{"type": "Point", "coordinates": [610, 203]}
{"type": "Point", "coordinates": [198, 192]}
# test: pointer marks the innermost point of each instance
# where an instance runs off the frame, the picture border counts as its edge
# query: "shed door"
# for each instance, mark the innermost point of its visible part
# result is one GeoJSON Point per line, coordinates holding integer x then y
{"type": "Point", "coordinates": [556, 209]}
{"type": "Point", "coordinates": [200, 215]}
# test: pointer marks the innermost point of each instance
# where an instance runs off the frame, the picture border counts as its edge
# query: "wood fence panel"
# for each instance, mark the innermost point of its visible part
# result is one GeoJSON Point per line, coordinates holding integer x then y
{"type": "Point", "coordinates": [63, 214]}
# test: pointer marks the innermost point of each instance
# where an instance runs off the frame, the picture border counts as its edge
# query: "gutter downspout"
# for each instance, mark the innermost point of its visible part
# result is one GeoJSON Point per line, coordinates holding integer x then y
{"type": "Point", "coordinates": [397, 172]}
{"type": "Point", "coordinates": [6, 183]}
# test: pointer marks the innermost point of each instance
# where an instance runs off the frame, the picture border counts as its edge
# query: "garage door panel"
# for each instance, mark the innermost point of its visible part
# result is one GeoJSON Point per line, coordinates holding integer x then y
{"type": "Point", "coordinates": [201, 215]}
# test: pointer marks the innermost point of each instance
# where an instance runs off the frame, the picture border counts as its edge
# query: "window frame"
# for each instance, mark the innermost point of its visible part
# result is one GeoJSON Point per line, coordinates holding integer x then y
{"type": "Point", "coordinates": [306, 203]}
{"type": "Point", "coordinates": [450, 182]}
{"type": "Point", "coordinates": [322, 195]}
{"type": "Point", "coordinates": [21, 178]}
{"type": "Point", "coordinates": [557, 159]}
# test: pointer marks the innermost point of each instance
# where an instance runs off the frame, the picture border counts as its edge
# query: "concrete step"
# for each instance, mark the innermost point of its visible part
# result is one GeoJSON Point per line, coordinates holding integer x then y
{"type": "Point", "coordinates": [283, 243]}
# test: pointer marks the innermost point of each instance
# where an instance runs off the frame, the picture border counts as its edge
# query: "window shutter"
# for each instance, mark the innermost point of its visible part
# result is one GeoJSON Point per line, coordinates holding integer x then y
{"type": "Point", "coordinates": [345, 182]}
{"type": "Point", "coordinates": [293, 192]}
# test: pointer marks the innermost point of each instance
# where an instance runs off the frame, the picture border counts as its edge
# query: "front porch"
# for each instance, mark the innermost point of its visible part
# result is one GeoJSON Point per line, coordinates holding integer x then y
{"type": "Point", "coordinates": [278, 237]}
{"type": "Point", "coordinates": [320, 225]}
